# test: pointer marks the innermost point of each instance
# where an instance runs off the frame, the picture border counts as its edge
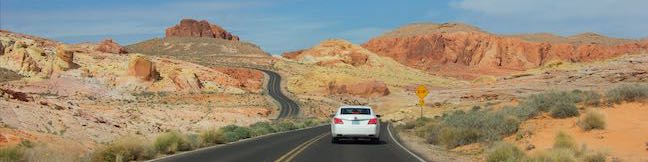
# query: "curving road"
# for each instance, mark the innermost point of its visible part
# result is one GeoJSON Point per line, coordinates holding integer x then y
{"type": "Point", "coordinates": [308, 145]}
{"type": "Point", "coordinates": [288, 107]}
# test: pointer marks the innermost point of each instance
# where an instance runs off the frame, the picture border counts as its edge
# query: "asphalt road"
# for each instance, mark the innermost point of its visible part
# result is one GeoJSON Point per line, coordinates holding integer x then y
{"type": "Point", "coordinates": [288, 107]}
{"type": "Point", "coordinates": [307, 145]}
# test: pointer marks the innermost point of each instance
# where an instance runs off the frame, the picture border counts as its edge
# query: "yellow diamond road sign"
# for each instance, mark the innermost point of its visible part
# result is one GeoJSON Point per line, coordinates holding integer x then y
{"type": "Point", "coordinates": [421, 92]}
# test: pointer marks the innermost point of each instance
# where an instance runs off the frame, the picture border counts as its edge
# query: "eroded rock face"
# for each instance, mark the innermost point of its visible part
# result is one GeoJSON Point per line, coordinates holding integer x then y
{"type": "Point", "coordinates": [193, 28]}
{"type": "Point", "coordinates": [143, 68]}
{"type": "Point", "coordinates": [109, 46]}
{"type": "Point", "coordinates": [64, 58]}
{"type": "Point", "coordinates": [360, 89]}
{"type": "Point", "coordinates": [435, 47]}
{"type": "Point", "coordinates": [1, 49]}
{"type": "Point", "coordinates": [186, 80]}
{"type": "Point", "coordinates": [331, 52]}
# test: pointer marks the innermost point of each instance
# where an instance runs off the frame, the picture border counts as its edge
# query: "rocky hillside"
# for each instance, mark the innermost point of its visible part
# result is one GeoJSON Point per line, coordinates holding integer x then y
{"type": "Point", "coordinates": [76, 96]}
{"type": "Point", "coordinates": [336, 72]}
{"type": "Point", "coordinates": [205, 44]}
{"type": "Point", "coordinates": [465, 51]}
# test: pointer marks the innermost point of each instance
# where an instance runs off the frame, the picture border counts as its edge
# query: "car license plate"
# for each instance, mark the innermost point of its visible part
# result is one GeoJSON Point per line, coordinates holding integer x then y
{"type": "Point", "coordinates": [355, 122]}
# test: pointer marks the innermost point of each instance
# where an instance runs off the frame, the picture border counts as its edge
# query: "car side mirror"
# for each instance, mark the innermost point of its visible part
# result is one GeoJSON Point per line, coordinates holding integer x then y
{"type": "Point", "coordinates": [378, 116]}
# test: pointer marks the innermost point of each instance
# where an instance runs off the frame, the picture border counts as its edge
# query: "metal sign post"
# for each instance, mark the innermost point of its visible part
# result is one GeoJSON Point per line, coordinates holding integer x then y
{"type": "Point", "coordinates": [421, 92]}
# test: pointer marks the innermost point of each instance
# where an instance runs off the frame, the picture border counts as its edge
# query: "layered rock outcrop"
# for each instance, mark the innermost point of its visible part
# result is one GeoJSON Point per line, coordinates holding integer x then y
{"type": "Point", "coordinates": [371, 88]}
{"type": "Point", "coordinates": [64, 59]}
{"type": "Point", "coordinates": [109, 46]}
{"type": "Point", "coordinates": [331, 52]}
{"type": "Point", "coordinates": [453, 48]}
{"type": "Point", "coordinates": [186, 80]}
{"type": "Point", "coordinates": [194, 28]}
{"type": "Point", "coordinates": [142, 68]}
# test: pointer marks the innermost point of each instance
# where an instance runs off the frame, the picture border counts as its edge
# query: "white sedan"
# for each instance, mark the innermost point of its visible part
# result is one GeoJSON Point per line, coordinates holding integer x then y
{"type": "Point", "coordinates": [354, 122]}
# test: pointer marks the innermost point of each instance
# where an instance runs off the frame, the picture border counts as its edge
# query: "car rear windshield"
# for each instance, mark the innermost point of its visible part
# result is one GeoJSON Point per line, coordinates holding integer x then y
{"type": "Point", "coordinates": [355, 111]}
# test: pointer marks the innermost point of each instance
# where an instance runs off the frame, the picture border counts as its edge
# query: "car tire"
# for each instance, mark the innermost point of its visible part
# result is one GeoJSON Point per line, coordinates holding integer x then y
{"type": "Point", "coordinates": [375, 140]}
{"type": "Point", "coordinates": [334, 140]}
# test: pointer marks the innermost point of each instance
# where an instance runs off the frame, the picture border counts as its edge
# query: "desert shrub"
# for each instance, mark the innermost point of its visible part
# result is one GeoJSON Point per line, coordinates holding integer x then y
{"type": "Point", "coordinates": [591, 98]}
{"type": "Point", "coordinates": [311, 122]}
{"type": "Point", "coordinates": [565, 141]}
{"type": "Point", "coordinates": [596, 156]}
{"type": "Point", "coordinates": [409, 125]}
{"type": "Point", "coordinates": [627, 93]}
{"type": "Point", "coordinates": [194, 141]}
{"type": "Point", "coordinates": [556, 154]}
{"type": "Point", "coordinates": [452, 137]}
{"type": "Point", "coordinates": [11, 153]}
{"type": "Point", "coordinates": [592, 120]}
{"type": "Point", "coordinates": [564, 110]}
{"type": "Point", "coordinates": [233, 133]}
{"type": "Point", "coordinates": [261, 128]}
{"type": "Point", "coordinates": [171, 142]}
{"type": "Point", "coordinates": [548, 100]}
{"type": "Point", "coordinates": [125, 149]}
{"type": "Point", "coordinates": [211, 136]}
{"type": "Point", "coordinates": [419, 122]}
{"type": "Point", "coordinates": [490, 125]}
{"type": "Point", "coordinates": [505, 152]}
{"type": "Point", "coordinates": [284, 125]}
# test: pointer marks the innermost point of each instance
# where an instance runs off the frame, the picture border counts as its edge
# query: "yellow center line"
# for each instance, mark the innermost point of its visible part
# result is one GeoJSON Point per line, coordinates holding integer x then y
{"type": "Point", "coordinates": [294, 152]}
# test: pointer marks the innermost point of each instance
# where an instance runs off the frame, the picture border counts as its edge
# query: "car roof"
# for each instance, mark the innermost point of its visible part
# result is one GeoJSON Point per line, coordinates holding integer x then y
{"type": "Point", "coordinates": [355, 106]}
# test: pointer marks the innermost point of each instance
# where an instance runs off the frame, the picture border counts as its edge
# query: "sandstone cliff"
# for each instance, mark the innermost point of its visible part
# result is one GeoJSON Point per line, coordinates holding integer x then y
{"type": "Point", "coordinates": [465, 51]}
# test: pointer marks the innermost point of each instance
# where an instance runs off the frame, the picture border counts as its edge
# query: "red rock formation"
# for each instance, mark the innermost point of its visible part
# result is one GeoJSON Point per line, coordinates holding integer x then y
{"type": "Point", "coordinates": [361, 89]}
{"type": "Point", "coordinates": [108, 46]}
{"type": "Point", "coordinates": [248, 78]}
{"type": "Point", "coordinates": [142, 68]}
{"type": "Point", "coordinates": [458, 49]}
{"type": "Point", "coordinates": [193, 28]}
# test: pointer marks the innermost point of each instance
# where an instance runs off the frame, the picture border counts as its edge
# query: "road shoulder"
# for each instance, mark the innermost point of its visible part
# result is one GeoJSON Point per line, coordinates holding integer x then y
{"type": "Point", "coordinates": [427, 151]}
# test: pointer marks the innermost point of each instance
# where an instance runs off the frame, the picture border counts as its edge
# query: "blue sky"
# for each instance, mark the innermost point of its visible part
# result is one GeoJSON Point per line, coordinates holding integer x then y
{"type": "Point", "coordinates": [285, 25]}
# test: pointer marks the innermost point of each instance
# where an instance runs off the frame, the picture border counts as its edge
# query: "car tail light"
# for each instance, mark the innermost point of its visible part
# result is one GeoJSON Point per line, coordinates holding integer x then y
{"type": "Point", "coordinates": [337, 121]}
{"type": "Point", "coordinates": [373, 121]}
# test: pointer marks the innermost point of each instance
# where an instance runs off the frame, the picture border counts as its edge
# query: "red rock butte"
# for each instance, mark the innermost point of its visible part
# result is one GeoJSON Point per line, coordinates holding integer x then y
{"type": "Point", "coordinates": [194, 28]}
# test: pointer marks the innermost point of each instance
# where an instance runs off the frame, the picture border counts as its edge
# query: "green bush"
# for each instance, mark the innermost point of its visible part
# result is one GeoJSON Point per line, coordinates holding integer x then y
{"type": "Point", "coordinates": [171, 142]}
{"type": "Point", "coordinates": [11, 153]}
{"type": "Point", "coordinates": [592, 120]}
{"type": "Point", "coordinates": [565, 141]}
{"type": "Point", "coordinates": [211, 136]}
{"type": "Point", "coordinates": [627, 93]}
{"type": "Point", "coordinates": [261, 128]}
{"type": "Point", "coordinates": [505, 152]}
{"type": "Point", "coordinates": [125, 149]}
{"type": "Point", "coordinates": [233, 133]}
{"type": "Point", "coordinates": [564, 110]}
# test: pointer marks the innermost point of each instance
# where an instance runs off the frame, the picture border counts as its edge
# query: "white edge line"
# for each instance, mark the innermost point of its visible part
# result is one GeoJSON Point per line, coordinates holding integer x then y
{"type": "Point", "coordinates": [408, 151]}
{"type": "Point", "coordinates": [231, 143]}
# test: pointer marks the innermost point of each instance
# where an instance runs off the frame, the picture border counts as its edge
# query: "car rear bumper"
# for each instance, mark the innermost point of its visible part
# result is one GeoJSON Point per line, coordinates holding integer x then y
{"type": "Point", "coordinates": [371, 131]}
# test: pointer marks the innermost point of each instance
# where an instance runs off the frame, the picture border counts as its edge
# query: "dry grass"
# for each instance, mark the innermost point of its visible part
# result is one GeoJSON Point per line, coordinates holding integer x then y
{"type": "Point", "coordinates": [592, 120]}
